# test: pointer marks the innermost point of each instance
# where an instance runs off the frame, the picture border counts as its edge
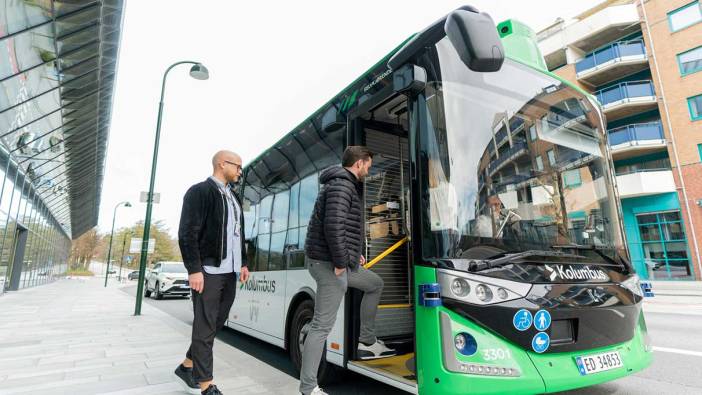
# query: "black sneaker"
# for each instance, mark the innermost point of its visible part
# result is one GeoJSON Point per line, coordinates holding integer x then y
{"type": "Point", "coordinates": [186, 377]}
{"type": "Point", "coordinates": [212, 390]}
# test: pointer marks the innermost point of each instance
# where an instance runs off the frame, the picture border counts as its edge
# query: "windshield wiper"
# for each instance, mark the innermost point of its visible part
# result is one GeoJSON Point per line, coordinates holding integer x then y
{"type": "Point", "coordinates": [585, 247]}
{"type": "Point", "coordinates": [476, 266]}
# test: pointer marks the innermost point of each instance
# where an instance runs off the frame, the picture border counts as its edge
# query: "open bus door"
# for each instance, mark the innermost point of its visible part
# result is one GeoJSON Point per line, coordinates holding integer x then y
{"type": "Point", "coordinates": [381, 123]}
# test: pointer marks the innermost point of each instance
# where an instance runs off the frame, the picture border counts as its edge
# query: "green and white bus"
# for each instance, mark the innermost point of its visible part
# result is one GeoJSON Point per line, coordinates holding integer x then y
{"type": "Point", "coordinates": [491, 215]}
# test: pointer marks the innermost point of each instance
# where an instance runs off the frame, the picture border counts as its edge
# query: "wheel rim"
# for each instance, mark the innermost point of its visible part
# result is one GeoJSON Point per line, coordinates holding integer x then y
{"type": "Point", "coordinates": [304, 330]}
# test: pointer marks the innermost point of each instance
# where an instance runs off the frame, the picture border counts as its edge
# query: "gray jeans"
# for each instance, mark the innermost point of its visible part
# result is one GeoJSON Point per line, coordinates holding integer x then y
{"type": "Point", "coordinates": [330, 290]}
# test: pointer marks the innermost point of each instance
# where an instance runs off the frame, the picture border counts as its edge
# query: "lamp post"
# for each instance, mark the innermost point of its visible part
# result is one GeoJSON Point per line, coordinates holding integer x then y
{"type": "Point", "coordinates": [109, 249]}
{"type": "Point", "coordinates": [121, 258]}
{"type": "Point", "coordinates": [199, 72]}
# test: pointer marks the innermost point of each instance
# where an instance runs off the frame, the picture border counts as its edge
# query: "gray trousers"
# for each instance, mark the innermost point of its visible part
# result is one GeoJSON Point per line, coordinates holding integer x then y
{"type": "Point", "coordinates": [330, 290]}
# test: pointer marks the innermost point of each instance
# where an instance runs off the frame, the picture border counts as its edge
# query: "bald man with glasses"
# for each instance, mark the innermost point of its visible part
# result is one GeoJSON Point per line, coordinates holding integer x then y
{"type": "Point", "coordinates": [211, 241]}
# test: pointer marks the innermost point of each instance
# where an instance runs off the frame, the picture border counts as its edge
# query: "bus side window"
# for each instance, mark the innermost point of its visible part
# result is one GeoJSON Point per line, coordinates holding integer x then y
{"type": "Point", "coordinates": [309, 188]}
{"type": "Point", "coordinates": [279, 228]}
{"type": "Point", "coordinates": [296, 259]}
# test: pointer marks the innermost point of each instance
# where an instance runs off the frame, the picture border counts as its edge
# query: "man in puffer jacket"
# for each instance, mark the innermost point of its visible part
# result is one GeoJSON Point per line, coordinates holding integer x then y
{"type": "Point", "coordinates": [334, 251]}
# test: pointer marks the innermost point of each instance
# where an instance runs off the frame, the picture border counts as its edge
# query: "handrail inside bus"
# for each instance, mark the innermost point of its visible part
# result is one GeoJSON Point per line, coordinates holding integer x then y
{"type": "Point", "coordinates": [385, 253]}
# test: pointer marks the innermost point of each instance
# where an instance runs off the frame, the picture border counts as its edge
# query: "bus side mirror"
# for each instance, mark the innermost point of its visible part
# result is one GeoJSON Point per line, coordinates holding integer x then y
{"type": "Point", "coordinates": [475, 38]}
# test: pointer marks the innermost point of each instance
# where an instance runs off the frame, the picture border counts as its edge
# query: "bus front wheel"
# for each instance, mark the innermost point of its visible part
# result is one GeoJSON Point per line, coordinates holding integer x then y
{"type": "Point", "coordinates": [298, 333]}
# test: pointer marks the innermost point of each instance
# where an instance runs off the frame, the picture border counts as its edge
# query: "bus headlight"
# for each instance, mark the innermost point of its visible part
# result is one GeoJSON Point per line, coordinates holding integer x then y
{"type": "Point", "coordinates": [633, 284]}
{"type": "Point", "coordinates": [476, 289]}
{"type": "Point", "coordinates": [483, 293]}
{"type": "Point", "coordinates": [460, 287]}
{"type": "Point", "coordinates": [465, 343]}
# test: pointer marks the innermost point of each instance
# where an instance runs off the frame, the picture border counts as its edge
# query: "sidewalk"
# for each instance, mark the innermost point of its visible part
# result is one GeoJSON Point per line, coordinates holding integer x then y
{"type": "Point", "coordinates": [76, 337]}
{"type": "Point", "coordinates": [677, 288]}
{"type": "Point", "coordinates": [680, 297]}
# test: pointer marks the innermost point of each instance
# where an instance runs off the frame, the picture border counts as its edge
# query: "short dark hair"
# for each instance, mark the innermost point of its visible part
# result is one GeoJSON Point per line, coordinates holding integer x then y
{"type": "Point", "coordinates": [354, 153]}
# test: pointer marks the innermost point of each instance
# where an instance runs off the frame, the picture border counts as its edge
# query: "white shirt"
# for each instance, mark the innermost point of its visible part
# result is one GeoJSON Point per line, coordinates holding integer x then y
{"type": "Point", "coordinates": [232, 262]}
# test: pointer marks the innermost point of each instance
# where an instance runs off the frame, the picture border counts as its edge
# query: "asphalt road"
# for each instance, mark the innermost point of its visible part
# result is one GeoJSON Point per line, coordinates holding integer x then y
{"type": "Point", "coordinates": [676, 369]}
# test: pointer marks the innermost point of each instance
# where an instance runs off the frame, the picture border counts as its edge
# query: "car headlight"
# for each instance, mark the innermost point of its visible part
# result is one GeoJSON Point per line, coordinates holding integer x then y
{"type": "Point", "coordinates": [170, 278]}
{"type": "Point", "coordinates": [633, 284]}
{"type": "Point", "coordinates": [476, 289]}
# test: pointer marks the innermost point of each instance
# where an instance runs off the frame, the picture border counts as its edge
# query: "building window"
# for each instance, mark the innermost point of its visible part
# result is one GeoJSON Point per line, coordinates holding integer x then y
{"type": "Point", "coordinates": [539, 163]}
{"type": "Point", "coordinates": [664, 245]}
{"type": "Point", "coordinates": [571, 178]}
{"type": "Point", "coordinates": [695, 105]}
{"type": "Point", "coordinates": [690, 61]}
{"type": "Point", "coordinates": [685, 16]}
{"type": "Point", "coordinates": [551, 157]}
{"type": "Point", "coordinates": [532, 132]}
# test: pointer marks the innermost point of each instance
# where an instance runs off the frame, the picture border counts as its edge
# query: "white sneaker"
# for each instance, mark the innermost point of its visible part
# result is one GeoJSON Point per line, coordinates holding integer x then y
{"type": "Point", "coordinates": [318, 391]}
{"type": "Point", "coordinates": [375, 350]}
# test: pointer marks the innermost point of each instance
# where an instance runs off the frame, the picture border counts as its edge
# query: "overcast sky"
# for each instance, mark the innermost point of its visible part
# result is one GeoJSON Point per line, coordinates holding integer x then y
{"type": "Point", "coordinates": [271, 65]}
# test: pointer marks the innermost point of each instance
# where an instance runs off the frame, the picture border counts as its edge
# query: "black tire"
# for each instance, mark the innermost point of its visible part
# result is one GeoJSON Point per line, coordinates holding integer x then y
{"type": "Point", "coordinates": [147, 293]}
{"type": "Point", "coordinates": [158, 293]}
{"type": "Point", "coordinates": [302, 317]}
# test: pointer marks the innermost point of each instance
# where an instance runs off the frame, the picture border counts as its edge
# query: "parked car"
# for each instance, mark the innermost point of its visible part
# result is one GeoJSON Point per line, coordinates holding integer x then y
{"type": "Point", "coordinates": [134, 275]}
{"type": "Point", "coordinates": [167, 278]}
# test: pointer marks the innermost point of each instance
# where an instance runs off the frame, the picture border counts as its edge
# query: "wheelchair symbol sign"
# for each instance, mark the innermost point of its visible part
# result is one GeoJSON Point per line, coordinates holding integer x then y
{"type": "Point", "coordinates": [522, 320]}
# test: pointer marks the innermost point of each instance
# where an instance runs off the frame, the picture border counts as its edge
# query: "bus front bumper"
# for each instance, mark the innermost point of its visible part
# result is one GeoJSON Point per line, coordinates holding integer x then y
{"type": "Point", "coordinates": [498, 366]}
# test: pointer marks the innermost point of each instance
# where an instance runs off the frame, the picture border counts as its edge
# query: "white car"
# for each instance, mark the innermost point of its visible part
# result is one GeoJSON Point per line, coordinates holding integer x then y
{"type": "Point", "coordinates": [167, 278]}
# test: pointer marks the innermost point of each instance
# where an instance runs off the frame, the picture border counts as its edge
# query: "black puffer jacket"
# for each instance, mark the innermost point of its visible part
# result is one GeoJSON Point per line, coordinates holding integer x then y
{"type": "Point", "coordinates": [335, 231]}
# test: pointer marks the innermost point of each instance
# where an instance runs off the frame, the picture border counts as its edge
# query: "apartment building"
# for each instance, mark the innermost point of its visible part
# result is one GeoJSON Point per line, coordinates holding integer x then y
{"type": "Point", "coordinates": [643, 61]}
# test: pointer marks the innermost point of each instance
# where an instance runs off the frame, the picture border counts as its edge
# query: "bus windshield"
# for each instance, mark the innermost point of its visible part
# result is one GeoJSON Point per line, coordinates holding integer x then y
{"type": "Point", "coordinates": [511, 161]}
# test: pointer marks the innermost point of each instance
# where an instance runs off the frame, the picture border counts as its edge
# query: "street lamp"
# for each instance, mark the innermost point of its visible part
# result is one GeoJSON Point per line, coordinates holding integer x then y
{"type": "Point", "coordinates": [199, 72]}
{"type": "Point", "coordinates": [121, 258]}
{"type": "Point", "coordinates": [109, 249]}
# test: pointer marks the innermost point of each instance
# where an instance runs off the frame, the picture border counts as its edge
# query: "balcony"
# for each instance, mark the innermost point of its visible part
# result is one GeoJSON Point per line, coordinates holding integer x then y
{"type": "Point", "coordinates": [516, 125]}
{"type": "Point", "coordinates": [642, 183]}
{"type": "Point", "coordinates": [628, 98]}
{"type": "Point", "coordinates": [517, 150]}
{"type": "Point", "coordinates": [589, 32]}
{"type": "Point", "coordinates": [612, 62]}
{"type": "Point", "coordinates": [636, 139]}
{"type": "Point", "coordinates": [501, 136]}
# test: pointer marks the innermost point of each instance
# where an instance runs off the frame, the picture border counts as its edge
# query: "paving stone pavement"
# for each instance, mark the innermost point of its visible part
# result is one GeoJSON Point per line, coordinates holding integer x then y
{"type": "Point", "coordinates": [74, 336]}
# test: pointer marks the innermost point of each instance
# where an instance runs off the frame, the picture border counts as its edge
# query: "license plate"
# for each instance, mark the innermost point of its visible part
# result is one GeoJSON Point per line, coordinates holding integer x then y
{"type": "Point", "coordinates": [599, 362]}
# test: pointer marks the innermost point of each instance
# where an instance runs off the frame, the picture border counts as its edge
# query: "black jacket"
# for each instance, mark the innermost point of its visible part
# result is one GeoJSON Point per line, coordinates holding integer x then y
{"type": "Point", "coordinates": [203, 226]}
{"type": "Point", "coordinates": [335, 231]}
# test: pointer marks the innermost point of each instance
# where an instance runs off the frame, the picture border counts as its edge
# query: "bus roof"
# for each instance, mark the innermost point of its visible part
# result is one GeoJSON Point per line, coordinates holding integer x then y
{"type": "Point", "coordinates": [520, 45]}
{"type": "Point", "coordinates": [338, 96]}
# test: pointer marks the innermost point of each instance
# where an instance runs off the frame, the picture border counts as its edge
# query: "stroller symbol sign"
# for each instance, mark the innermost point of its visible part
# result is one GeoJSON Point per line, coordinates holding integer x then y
{"type": "Point", "coordinates": [522, 320]}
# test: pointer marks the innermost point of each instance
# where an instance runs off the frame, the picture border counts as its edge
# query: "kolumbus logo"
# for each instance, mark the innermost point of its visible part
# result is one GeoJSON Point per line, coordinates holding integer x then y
{"type": "Point", "coordinates": [255, 285]}
{"type": "Point", "coordinates": [560, 272]}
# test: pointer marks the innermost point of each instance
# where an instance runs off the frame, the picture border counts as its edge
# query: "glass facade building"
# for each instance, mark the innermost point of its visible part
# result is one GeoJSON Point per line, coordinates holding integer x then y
{"type": "Point", "coordinates": [58, 62]}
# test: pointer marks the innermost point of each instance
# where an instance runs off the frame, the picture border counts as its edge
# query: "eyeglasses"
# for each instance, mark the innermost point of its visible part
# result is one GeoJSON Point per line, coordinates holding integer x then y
{"type": "Point", "coordinates": [232, 163]}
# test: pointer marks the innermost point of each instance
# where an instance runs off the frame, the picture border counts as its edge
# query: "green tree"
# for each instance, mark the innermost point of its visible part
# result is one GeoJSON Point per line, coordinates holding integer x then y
{"type": "Point", "coordinates": [166, 248]}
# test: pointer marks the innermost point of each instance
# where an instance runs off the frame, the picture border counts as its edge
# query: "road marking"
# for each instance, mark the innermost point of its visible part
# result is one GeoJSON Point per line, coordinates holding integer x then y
{"type": "Point", "coordinates": [678, 351]}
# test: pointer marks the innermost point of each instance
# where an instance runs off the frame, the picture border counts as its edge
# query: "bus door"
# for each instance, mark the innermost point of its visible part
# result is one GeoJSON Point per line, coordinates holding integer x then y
{"type": "Point", "coordinates": [384, 129]}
